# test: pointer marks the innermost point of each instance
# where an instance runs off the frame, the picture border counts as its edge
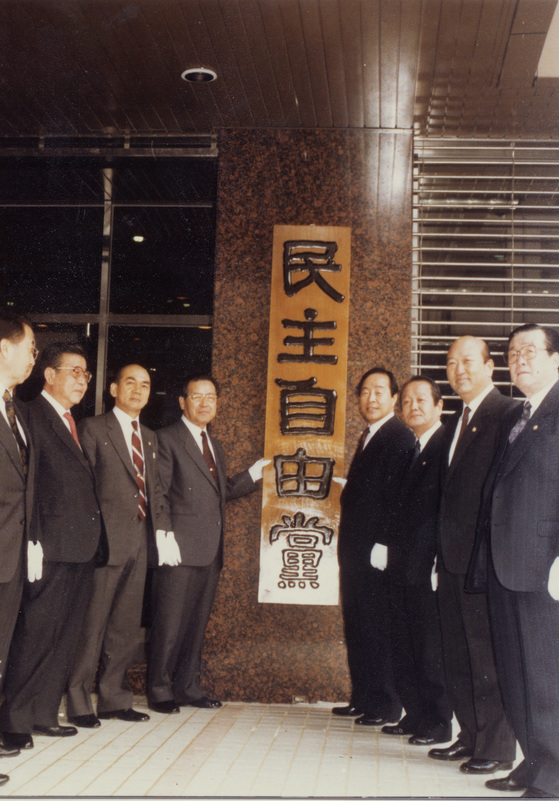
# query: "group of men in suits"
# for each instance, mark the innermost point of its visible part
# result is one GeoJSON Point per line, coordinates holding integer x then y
{"type": "Point", "coordinates": [449, 553]}
{"type": "Point", "coordinates": [84, 510]}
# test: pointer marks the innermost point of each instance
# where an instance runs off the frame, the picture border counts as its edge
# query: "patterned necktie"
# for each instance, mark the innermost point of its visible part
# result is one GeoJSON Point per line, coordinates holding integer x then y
{"type": "Point", "coordinates": [520, 424]}
{"type": "Point", "coordinates": [22, 447]}
{"type": "Point", "coordinates": [208, 456]}
{"type": "Point", "coordinates": [138, 459]}
{"type": "Point", "coordinates": [73, 429]}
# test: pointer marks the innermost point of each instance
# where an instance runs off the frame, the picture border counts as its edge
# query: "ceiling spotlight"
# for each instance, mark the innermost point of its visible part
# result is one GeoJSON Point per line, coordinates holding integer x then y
{"type": "Point", "coordinates": [199, 75]}
{"type": "Point", "coordinates": [138, 238]}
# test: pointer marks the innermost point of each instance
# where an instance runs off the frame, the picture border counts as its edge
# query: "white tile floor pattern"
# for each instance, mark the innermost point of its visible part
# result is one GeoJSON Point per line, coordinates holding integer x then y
{"type": "Point", "coordinates": [238, 751]}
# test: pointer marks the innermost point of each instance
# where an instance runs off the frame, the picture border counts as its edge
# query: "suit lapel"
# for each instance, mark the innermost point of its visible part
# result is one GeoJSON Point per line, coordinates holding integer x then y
{"type": "Point", "coordinates": [473, 431]}
{"type": "Point", "coordinates": [59, 428]}
{"type": "Point", "coordinates": [538, 426]}
{"type": "Point", "coordinates": [9, 442]}
{"type": "Point", "coordinates": [116, 436]}
{"type": "Point", "coordinates": [195, 453]}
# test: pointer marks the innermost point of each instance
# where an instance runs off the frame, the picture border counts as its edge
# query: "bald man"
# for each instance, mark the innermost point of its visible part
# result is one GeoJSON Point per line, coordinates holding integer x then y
{"type": "Point", "coordinates": [123, 455]}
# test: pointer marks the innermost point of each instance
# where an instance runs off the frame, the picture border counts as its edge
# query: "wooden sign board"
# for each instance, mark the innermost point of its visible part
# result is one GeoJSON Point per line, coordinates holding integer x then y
{"type": "Point", "coordinates": [305, 414]}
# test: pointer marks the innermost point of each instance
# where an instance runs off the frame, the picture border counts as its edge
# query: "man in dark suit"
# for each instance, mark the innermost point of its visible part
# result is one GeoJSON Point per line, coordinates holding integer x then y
{"type": "Point", "coordinates": [518, 561]}
{"type": "Point", "coordinates": [64, 533]}
{"type": "Point", "coordinates": [122, 454]}
{"type": "Point", "coordinates": [414, 616]}
{"type": "Point", "coordinates": [367, 502]}
{"type": "Point", "coordinates": [17, 357]}
{"type": "Point", "coordinates": [195, 488]}
{"type": "Point", "coordinates": [485, 737]}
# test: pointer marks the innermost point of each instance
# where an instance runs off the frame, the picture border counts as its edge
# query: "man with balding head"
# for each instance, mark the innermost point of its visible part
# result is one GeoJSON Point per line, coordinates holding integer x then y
{"type": "Point", "coordinates": [123, 456]}
{"type": "Point", "coordinates": [485, 737]}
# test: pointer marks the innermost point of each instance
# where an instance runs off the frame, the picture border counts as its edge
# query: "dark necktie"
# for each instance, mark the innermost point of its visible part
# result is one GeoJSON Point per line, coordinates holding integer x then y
{"type": "Point", "coordinates": [138, 459]}
{"type": "Point", "coordinates": [208, 456]}
{"type": "Point", "coordinates": [361, 443]}
{"type": "Point", "coordinates": [520, 424]}
{"type": "Point", "coordinates": [11, 414]}
{"type": "Point", "coordinates": [465, 421]}
{"type": "Point", "coordinates": [73, 429]}
{"type": "Point", "coordinates": [416, 452]}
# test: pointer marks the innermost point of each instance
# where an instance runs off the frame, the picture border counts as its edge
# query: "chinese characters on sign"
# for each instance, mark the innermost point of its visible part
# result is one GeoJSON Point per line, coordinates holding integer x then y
{"type": "Point", "coordinates": [305, 414]}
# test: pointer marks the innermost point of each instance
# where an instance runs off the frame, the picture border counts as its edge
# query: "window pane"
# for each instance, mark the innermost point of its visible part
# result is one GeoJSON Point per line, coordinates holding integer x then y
{"type": "Point", "coordinates": [171, 270]}
{"type": "Point", "coordinates": [50, 259]}
{"type": "Point", "coordinates": [168, 354]}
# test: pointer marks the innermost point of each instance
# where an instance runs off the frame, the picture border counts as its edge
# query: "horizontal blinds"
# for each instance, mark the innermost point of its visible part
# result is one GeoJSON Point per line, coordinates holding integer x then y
{"type": "Point", "coordinates": [485, 246]}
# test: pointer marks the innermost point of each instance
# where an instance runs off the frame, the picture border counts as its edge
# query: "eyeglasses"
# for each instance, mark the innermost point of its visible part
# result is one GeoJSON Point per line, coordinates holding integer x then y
{"type": "Point", "coordinates": [527, 352]}
{"type": "Point", "coordinates": [78, 373]}
{"type": "Point", "coordinates": [197, 397]}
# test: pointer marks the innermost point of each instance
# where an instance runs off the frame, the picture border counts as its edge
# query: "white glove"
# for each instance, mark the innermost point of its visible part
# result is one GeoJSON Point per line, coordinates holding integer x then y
{"type": "Point", "coordinates": [167, 549]}
{"type": "Point", "coordinates": [553, 582]}
{"type": "Point", "coordinates": [341, 481]}
{"type": "Point", "coordinates": [379, 556]}
{"type": "Point", "coordinates": [256, 469]}
{"type": "Point", "coordinates": [434, 576]}
{"type": "Point", "coordinates": [34, 561]}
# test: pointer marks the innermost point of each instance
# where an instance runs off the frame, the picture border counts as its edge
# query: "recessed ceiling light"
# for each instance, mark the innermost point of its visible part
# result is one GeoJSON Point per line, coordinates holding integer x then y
{"type": "Point", "coordinates": [138, 238]}
{"type": "Point", "coordinates": [199, 75]}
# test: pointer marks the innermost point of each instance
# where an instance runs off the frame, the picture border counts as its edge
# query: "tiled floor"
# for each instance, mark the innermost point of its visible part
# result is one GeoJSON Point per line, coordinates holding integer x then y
{"type": "Point", "coordinates": [240, 751]}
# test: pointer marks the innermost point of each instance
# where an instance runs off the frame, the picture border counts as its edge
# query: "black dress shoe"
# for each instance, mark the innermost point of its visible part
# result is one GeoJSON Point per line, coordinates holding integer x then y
{"type": "Point", "coordinates": [129, 715]}
{"type": "Point", "coordinates": [402, 728]}
{"type": "Point", "coordinates": [164, 707]}
{"type": "Point", "coordinates": [3, 778]}
{"type": "Point", "coordinates": [507, 783]}
{"type": "Point", "coordinates": [6, 751]}
{"type": "Point", "coordinates": [204, 703]}
{"type": "Point", "coordinates": [14, 739]}
{"type": "Point", "coordinates": [454, 752]}
{"type": "Point", "coordinates": [441, 733]}
{"type": "Point", "coordinates": [366, 720]}
{"type": "Point", "coordinates": [348, 711]}
{"type": "Point", "coordinates": [479, 766]}
{"type": "Point", "coordinates": [56, 731]}
{"type": "Point", "coordinates": [85, 721]}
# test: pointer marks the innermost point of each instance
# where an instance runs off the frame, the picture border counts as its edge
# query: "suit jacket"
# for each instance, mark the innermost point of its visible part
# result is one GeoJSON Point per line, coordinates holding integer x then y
{"type": "Point", "coordinates": [412, 542]}
{"type": "Point", "coordinates": [368, 497]}
{"type": "Point", "coordinates": [104, 445]}
{"type": "Point", "coordinates": [17, 496]}
{"type": "Point", "coordinates": [463, 479]}
{"type": "Point", "coordinates": [192, 499]}
{"type": "Point", "coordinates": [66, 518]}
{"type": "Point", "coordinates": [520, 510]}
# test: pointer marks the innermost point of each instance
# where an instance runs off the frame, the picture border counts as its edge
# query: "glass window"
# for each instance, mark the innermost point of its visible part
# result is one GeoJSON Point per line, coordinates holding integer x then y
{"type": "Point", "coordinates": [50, 259]}
{"type": "Point", "coordinates": [162, 261]}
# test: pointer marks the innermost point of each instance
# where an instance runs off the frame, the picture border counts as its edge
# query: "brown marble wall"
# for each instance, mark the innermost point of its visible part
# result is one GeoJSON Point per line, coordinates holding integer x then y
{"type": "Point", "coordinates": [362, 179]}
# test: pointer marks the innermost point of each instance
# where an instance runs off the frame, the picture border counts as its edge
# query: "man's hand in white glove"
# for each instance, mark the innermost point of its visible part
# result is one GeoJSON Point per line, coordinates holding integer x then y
{"type": "Point", "coordinates": [34, 561]}
{"type": "Point", "coordinates": [434, 576]}
{"type": "Point", "coordinates": [553, 582]}
{"type": "Point", "coordinates": [379, 556]}
{"type": "Point", "coordinates": [256, 469]}
{"type": "Point", "coordinates": [167, 548]}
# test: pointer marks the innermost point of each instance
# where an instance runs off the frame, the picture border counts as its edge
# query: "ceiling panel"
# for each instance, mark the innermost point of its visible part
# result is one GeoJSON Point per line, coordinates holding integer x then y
{"type": "Point", "coordinates": [113, 67]}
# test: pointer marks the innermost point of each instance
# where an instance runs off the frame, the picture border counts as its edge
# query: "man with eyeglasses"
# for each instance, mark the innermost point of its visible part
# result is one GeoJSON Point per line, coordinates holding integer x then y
{"type": "Point", "coordinates": [17, 357]}
{"type": "Point", "coordinates": [517, 561]}
{"type": "Point", "coordinates": [65, 538]}
{"type": "Point", "coordinates": [123, 456]}
{"type": "Point", "coordinates": [195, 488]}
